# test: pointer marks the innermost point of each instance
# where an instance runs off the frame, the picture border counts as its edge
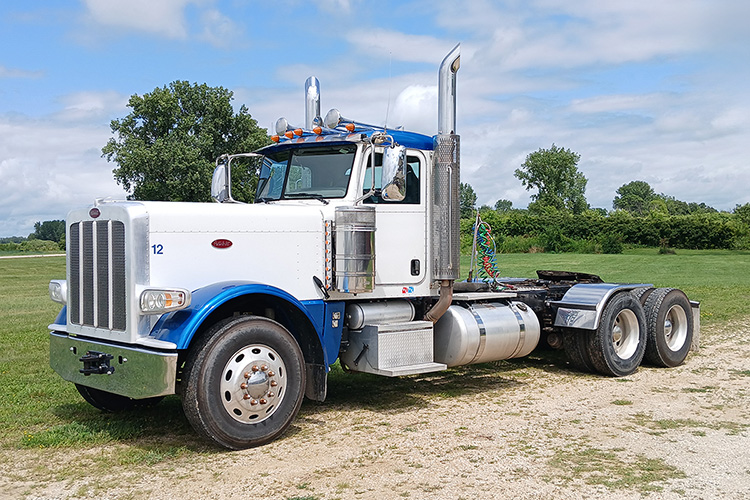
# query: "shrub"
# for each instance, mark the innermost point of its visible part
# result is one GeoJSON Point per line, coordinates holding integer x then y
{"type": "Point", "coordinates": [612, 244]}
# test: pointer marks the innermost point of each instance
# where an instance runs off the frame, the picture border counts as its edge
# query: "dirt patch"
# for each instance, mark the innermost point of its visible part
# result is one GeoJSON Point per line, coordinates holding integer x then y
{"type": "Point", "coordinates": [526, 429]}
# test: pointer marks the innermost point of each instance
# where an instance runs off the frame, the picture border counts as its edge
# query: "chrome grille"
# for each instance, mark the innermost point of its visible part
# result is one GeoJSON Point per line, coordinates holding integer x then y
{"type": "Point", "coordinates": [97, 274]}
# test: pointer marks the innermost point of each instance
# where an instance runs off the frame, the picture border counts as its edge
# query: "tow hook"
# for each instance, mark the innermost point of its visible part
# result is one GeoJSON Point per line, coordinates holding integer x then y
{"type": "Point", "coordinates": [96, 363]}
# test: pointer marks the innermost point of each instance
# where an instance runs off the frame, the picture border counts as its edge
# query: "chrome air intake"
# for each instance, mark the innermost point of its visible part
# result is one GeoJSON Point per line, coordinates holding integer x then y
{"type": "Point", "coordinates": [446, 160]}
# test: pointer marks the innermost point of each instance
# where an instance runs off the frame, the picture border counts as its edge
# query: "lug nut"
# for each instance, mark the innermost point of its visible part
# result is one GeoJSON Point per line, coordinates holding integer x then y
{"type": "Point", "coordinates": [247, 374]}
{"type": "Point", "coordinates": [274, 383]}
{"type": "Point", "coordinates": [246, 397]}
{"type": "Point", "coordinates": [255, 368]}
{"type": "Point", "coordinates": [263, 368]}
{"type": "Point", "coordinates": [243, 386]}
{"type": "Point", "coordinates": [271, 373]}
{"type": "Point", "coordinates": [271, 394]}
{"type": "Point", "coordinates": [263, 401]}
{"type": "Point", "coordinates": [254, 402]}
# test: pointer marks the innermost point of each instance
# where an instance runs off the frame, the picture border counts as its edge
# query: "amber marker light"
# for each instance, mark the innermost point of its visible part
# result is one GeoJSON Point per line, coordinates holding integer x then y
{"type": "Point", "coordinates": [275, 138]}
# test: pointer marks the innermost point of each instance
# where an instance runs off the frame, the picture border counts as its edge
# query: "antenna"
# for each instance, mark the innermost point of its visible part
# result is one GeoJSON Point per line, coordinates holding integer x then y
{"type": "Point", "coordinates": [390, 81]}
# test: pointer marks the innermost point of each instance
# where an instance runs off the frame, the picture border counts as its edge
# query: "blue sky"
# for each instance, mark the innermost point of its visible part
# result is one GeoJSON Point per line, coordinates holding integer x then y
{"type": "Point", "coordinates": [642, 90]}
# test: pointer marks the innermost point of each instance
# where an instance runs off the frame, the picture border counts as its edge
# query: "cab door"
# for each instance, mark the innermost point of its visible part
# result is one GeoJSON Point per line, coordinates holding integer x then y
{"type": "Point", "coordinates": [401, 235]}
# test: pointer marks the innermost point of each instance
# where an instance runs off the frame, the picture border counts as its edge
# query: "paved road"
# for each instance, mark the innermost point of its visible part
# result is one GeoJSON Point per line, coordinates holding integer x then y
{"type": "Point", "coordinates": [30, 256]}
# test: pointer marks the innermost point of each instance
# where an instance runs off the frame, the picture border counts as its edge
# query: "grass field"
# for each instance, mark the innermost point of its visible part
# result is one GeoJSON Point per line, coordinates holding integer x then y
{"type": "Point", "coordinates": [39, 410]}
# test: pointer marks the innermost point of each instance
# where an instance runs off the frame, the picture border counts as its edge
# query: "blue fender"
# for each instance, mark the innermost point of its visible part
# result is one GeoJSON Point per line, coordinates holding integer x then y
{"type": "Point", "coordinates": [179, 327]}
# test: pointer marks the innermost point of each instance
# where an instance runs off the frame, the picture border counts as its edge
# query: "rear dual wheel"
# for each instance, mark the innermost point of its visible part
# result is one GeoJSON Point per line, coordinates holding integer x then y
{"type": "Point", "coordinates": [618, 345]}
{"type": "Point", "coordinates": [670, 326]}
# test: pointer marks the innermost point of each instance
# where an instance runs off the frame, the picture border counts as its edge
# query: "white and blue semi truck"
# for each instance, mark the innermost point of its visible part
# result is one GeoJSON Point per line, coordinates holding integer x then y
{"type": "Point", "coordinates": [350, 252]}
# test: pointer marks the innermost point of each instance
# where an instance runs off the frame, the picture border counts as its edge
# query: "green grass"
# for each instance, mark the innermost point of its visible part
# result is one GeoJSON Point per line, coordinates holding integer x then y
{"type": "Point", "coordinates": [612, 469]}
{"type": "Point", "coordinates": [715, 278]}
{"type": "Point", "coordinates": [40, 410]}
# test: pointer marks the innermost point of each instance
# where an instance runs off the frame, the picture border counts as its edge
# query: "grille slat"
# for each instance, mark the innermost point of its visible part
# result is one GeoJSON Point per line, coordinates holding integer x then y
{"type": "Point", "coordinates": [97, 274]}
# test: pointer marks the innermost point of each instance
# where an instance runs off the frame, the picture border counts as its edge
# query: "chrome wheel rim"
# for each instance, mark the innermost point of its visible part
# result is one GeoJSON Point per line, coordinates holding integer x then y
{"type": "Point", "coordinates": [675, 328]}
{"type": "Point", "coordinates": [625, 334]}
{"type": "Point", "coordinates": [253, 383]}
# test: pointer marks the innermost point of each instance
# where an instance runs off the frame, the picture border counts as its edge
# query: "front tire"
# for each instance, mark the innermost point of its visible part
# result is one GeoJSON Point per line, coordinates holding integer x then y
{"type": "Point", "coordinates": [670, 327]}
{"type": "Point", "coordinates": [244, 382]}
{"type": "Point", "coordinates": [113, 403]}
{"type": "Point", "coordinates": [619, 343]}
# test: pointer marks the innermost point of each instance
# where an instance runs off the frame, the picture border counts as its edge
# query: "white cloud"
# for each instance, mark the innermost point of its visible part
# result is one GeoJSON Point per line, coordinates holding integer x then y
{"type": "Point", "coordinates": [167, 18]}
{"type": "Point", "coordinates": [337, 6]}
{"type": "Point", "coordinates": [88, 105]}
{"type": "Point", "coordinates": [49, 166]}
{"type": "Point", "coordinates": [382, 43]}
{"type": "Point", "coordinates": [18, 73]}
{"type": "Point", "coordinates": [218, 29]}
{"type": "Point", "coordinates": [162, 17]}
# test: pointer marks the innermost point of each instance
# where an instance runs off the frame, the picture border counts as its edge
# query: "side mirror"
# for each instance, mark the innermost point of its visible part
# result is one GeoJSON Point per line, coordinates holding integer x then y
{"type": "Point", "coordinates": [220, 184]}
{"type": "Point", "coordinates": [393, 174]}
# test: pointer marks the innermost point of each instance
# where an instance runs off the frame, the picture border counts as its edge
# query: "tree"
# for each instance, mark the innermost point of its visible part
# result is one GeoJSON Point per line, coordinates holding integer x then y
{"type": "Point", "coordinates": [166, 147]}
{"type": "Point", "coordinates": [50, 230]}
{"type": "Point", "coordinates": [467, 200]}
{"type": "Point", "coordinates": [742, 212]}
{"type": "Point", "coordinates": [554, 172]}
{"type": "Point", "coordinates": [634, 197]}
{"type": "Point", "coordinates": [503, 205]}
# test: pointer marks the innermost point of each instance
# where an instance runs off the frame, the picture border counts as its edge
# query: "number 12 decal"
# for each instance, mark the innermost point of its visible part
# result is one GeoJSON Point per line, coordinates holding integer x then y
{"type": "Point", "coordinates": [158, 249]}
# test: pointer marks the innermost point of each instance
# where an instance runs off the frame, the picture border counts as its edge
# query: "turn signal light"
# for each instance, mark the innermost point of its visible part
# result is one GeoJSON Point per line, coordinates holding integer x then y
{"type": "Point", "coordinates": [161, 301]}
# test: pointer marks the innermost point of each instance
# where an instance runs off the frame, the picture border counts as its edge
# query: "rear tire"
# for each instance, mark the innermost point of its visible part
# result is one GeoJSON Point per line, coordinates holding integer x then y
{"type": "Point", "coordinates": [619, 343]}
{"type": "Point", "coordinates": [575, 343]}
{"type": "Point", "coordinates": [245, 382]}
{"type": "Point", "coordinates": [670, 327]}
{"type": "Point", "coordinates": [113, 403]}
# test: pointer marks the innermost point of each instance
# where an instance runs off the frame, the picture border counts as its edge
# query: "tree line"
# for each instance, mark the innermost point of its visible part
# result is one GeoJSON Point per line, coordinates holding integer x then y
{"type": "Point", "coordinates": [559, 219]}
{"type": "Point", "coordinates": [48, 236]}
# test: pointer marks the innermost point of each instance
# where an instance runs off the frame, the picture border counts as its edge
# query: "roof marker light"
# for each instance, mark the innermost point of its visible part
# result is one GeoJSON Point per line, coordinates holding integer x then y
{"type": "Point", "coordinates": [275, 138]}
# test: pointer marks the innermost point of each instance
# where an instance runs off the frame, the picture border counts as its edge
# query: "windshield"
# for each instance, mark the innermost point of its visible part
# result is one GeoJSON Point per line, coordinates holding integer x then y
{"type": "Point", "coordinates": [306, 173]}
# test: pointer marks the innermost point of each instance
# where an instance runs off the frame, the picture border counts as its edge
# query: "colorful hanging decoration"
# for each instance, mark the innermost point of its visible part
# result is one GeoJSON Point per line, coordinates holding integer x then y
{"type": "Point", "coordinates": [484, 266]}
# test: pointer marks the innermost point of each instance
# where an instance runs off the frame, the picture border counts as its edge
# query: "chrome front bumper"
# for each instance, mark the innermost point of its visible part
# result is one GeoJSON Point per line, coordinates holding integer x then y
{"type": "Point", "coordinates": [133, 372]}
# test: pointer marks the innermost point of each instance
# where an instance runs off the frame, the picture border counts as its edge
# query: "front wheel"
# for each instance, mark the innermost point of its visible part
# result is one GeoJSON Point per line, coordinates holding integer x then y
{"type": "Point", "coordinates": [244, 382]}
{"type": "Point", "coordinates": [113, 403]}
{"type": "Point", "coordinates": [619, 343]}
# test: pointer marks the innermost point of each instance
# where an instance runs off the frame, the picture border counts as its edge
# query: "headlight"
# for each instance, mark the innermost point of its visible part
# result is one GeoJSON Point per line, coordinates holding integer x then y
{"type": "Point", "coordinates": [161, 301]}
{"type": "Point", "coordinates": [58, 291]}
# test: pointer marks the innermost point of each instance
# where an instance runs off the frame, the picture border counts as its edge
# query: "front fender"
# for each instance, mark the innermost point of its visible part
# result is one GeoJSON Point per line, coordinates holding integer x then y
{"type": "Point", "coordinates": [179, 327]}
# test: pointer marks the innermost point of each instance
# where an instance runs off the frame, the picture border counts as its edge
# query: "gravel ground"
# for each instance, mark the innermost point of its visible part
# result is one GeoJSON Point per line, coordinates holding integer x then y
{"type": "Point", "coordinates": [526, 429]}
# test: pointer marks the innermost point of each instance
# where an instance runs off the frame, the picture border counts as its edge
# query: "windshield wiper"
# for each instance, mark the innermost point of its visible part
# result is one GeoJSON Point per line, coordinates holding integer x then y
{"type": "Point", "coordinates": [314, 196]}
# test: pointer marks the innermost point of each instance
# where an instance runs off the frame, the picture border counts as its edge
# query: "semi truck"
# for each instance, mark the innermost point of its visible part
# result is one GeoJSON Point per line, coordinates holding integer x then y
{"type": "Point", "coordinates": [350, 252]}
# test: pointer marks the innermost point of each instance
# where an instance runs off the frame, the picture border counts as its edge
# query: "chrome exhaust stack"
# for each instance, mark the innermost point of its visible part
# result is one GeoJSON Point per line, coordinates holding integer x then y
{"type": "Point", "coordinates": [312, 103]}
{"type": "Point", "coordinates": [445, 202]}
{"type": "Point", "coordinates": [445, 208]}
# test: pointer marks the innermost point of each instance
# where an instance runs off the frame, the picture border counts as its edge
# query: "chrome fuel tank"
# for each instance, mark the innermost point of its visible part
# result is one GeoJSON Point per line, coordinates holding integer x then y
{"type": "Point", "coordinates": [479, 333]}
